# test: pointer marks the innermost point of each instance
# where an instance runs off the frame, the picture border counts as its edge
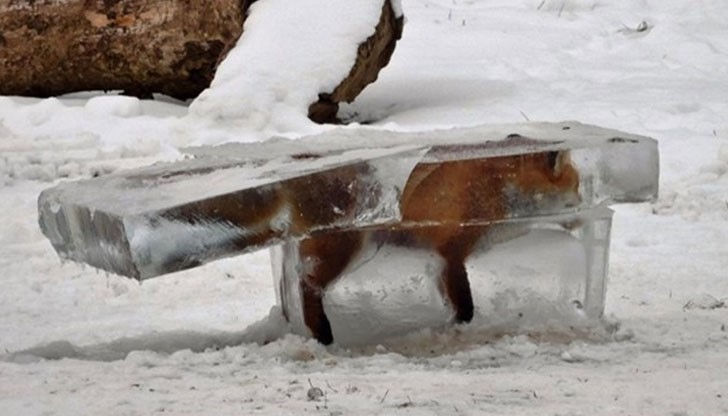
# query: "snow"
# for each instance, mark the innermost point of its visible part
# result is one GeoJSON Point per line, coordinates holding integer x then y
{"type": "Point", "coordinates": [182, 344]}
{"type": "Point", "coordinates": [313, 53]}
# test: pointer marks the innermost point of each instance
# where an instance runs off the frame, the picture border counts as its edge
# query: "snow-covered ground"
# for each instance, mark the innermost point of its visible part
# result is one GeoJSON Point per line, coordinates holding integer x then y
{"type": "Point", "coordinates": [184, 344]}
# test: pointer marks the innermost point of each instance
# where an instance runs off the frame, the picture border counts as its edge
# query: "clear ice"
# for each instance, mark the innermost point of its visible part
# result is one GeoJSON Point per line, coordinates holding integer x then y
{"type": "Point", "coordinates": [539, 252]}
{"type": "Point", "coordinates": [526, 274]}
{"type": "Point", "coordinates": [232, 199]}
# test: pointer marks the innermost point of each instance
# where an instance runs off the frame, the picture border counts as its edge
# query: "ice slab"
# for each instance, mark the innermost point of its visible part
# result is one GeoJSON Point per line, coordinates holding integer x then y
{"type": "Point", "coordinates": [232, 199]}
{"type": "Point", "coordinates": [168, 217]}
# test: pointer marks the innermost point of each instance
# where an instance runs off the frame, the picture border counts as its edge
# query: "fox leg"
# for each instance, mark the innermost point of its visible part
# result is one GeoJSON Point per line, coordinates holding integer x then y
{"type": "Point", "coordinates": [325, 256]}
{"type": "Point", "coordinates": [313, 312]}
{"type": "Point", "coordinates": [454, 277]}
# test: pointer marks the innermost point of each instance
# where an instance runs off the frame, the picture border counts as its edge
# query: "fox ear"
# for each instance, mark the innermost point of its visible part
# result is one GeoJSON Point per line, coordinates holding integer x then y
{"type": "Point", "coordinates": [554, 160]}
{"type": "Point", "coordinates": [557, 160]}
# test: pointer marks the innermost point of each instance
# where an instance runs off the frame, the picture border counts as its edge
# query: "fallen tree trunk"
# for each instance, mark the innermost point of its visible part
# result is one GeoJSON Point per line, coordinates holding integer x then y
{"type": "Point", "coordinates": [53, 47]}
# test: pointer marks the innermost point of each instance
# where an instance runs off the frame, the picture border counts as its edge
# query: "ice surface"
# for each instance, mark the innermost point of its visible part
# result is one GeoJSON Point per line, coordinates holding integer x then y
{"type": "Point", "coordinates": [232, 199]}
{"type": "Point", "coordinates": [170, 217]}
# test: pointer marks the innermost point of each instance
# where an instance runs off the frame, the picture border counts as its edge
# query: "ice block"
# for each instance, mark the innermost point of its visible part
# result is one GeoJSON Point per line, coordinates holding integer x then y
{"type": "Point", "coordinates": [232, 199]}
{"type": "Point", "coordinates": [541, 273]}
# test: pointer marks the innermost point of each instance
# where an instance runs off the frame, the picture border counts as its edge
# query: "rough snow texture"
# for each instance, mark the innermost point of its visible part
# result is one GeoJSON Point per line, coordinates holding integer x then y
{"type": "Point", "coordinates": [459, 63]}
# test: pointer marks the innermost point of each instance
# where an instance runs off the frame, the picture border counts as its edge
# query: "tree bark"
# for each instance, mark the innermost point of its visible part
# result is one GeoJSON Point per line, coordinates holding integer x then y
{"type": "Point", "coordinates": [372, 55]}
{"type": "Point", "coordinates": [54, 47]}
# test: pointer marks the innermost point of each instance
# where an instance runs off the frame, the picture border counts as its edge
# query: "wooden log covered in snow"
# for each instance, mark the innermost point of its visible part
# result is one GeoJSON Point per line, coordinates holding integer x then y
{"type": "Point", "coordinates": [142, 47]}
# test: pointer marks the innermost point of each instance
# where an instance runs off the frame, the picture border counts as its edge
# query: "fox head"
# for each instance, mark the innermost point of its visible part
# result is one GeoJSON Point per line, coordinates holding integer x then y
{"type": "Point", "coordinates": [546, 181]}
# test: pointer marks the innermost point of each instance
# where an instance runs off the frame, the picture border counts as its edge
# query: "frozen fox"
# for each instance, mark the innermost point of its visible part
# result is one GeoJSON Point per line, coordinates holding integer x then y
{"type": "Point", "coordinates": [443, 196]}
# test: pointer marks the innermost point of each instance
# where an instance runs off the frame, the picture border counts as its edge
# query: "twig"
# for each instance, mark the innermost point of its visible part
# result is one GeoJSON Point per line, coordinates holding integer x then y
{"type": "Point", "coordinates": [314, 393]}
{"type": "Point", "coordinates": [384, 397]}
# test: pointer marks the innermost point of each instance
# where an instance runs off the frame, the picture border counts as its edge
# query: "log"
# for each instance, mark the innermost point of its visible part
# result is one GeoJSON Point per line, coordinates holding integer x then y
{"type": "Point", "coordinates": [54, 47]}
{"type": "Point", "coordinates": [141, 47]}
{"type": "Point", "coordinates": [372, 55]}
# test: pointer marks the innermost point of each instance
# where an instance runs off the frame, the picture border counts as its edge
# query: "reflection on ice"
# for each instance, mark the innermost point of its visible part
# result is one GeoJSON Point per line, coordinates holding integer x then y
{"type": "Point", "coordinates": [391, 290]}
{"type": "Point", "coordinates": [531, 279]}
